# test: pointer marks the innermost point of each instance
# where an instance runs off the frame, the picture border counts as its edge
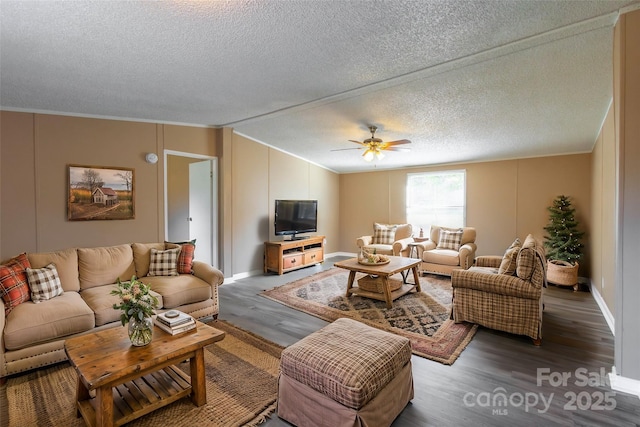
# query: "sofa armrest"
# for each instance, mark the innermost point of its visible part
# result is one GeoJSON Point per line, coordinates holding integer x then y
{"type": "Point", "coordinates": [206, 272]}
{"type": "Point", "coordinates": [401, 245]}
{"type": "Point", "coordinates": [492, 261]}
{"type": "Point", "coordinates": [364, 241]}
{"type": "Point", "coordinates": [501, 284]}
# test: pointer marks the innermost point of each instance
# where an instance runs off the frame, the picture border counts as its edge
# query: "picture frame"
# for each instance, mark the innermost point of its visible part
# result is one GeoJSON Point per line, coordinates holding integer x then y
{"type": "Point", "coordinates": [100, 193]}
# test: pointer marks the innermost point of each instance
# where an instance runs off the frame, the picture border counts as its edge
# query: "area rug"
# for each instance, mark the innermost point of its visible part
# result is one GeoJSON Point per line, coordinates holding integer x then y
{"type": "Point", "coordinates": [422, 317]}
{"type": "Point", "coordinates": [241, 376]}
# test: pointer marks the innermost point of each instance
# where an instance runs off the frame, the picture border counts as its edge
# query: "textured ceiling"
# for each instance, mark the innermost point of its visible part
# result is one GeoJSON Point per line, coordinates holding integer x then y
{"type": "Point", "coordinates": [463, 80]}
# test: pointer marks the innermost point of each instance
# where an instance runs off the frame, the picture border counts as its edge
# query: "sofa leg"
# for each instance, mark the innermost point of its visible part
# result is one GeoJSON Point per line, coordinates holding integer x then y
{"type": "Point", "coordinates": [537, 342]}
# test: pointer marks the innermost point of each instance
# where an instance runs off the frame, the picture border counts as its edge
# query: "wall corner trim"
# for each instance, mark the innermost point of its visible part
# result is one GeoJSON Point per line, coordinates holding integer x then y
{"type": "Point", "coordinates": [625, 385]}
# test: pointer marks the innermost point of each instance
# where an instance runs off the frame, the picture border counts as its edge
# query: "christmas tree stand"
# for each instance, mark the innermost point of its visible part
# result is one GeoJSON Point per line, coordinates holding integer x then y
{"type": "Point", "coordinates": [563, 273]}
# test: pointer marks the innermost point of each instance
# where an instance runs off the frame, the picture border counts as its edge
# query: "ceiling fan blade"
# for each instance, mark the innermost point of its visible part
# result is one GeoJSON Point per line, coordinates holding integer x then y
{"type": "Point", "coordinates": [357, 142]}
{"type": "Point", "coordinates": [345, 149]}
{"type": "Point", "coordinates": [398, 142]}
{"type": "Point", "coordinates": [397, 149]}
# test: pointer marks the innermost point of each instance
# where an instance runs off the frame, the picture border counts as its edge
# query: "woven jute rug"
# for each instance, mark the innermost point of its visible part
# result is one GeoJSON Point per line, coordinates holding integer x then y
{"type": "Point", "coordinates": [422, 317]}
{"type": "Point", "coordinates": [241, 376]}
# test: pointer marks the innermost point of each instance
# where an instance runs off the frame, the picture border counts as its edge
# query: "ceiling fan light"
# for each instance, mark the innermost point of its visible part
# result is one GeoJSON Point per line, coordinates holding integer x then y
{"type": "Point", "coordinates": [379, 154]}
{"type": "Point", "coordinates": [368, 155]}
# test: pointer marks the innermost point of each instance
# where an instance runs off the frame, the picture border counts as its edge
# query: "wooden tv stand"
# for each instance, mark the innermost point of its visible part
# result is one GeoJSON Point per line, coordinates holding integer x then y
{"type": "Point", "coordinates": [288, 255]}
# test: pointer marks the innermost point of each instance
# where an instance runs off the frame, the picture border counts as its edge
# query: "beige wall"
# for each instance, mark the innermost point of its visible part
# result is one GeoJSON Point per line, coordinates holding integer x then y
{"type": "Point", "coordinates": [36, 151]}
{"type": "Point", "coordinates": [261, 175]}
{"type": "Point", "coordinates": [505, 199]}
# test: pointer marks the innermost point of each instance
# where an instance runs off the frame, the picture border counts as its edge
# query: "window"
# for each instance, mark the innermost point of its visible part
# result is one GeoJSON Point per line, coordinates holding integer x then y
{"type": "Point", "coordinates": [436, 198]}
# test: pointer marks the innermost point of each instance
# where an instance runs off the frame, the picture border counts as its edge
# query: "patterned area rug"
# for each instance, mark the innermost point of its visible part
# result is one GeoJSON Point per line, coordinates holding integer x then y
{"type": "Point", "coordinates": [241, 376]}
{"type": "Point", "coordinates": [422, 317]}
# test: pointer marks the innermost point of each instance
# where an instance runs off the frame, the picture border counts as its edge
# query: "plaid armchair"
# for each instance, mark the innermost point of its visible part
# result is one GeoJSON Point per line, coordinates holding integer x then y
{"type": "Point", "coordinates": [504, 293]}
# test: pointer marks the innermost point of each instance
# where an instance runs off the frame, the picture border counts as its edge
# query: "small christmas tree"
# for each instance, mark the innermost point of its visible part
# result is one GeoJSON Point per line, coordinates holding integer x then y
{"type": "Point", "coordinates": [563, 239]}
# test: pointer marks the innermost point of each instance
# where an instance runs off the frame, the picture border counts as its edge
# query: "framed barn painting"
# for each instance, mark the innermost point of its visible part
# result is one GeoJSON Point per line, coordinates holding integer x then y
{"type": "Point", "coordinates": [98, 193]}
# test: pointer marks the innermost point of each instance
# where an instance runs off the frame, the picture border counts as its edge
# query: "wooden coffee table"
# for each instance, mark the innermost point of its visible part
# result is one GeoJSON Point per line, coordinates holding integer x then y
{"type": "Point", "coordinates": [118, 382]}
{"type": "Point", "coordinates": [397, 264]}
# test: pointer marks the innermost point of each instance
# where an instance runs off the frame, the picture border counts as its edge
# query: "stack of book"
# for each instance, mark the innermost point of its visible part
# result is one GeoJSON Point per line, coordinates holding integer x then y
{"type": "Point", "coordinates": [174, 322]}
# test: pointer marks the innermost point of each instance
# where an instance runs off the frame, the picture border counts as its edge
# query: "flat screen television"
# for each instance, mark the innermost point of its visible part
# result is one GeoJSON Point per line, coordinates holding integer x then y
{"type": "Point", "coordinates": [296, 216]}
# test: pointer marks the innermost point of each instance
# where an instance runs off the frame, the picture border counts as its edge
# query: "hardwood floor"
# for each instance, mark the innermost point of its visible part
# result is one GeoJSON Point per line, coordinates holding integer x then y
{"type": "Point", "coordinates": [577, 344]}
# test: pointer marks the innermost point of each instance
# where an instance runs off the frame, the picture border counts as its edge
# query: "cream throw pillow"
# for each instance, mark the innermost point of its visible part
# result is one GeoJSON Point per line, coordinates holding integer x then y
{"type": "Point", "coordinates": [384, 234]}
{"type": "Point", "coordinates": [44, 283]}
{"type": "Point", "coordinates": [509, 260]}
{"type": "Point", "coordinates": [450, 239]}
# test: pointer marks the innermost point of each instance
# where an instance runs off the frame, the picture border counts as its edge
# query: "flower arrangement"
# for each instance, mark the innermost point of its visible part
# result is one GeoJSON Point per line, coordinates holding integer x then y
{"type": "Point", "coordinates": [135, 300]}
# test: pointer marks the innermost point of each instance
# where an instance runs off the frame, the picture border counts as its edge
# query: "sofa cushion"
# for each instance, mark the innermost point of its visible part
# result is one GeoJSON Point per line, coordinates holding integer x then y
{"type": "Point", "coordinates": [449, 239]}
{"type": "Point", "coordinates": [66, 262]}
{"type": "Point", "coordinates": [185, 259]}
{"type": "Point", "coordinates": [179, 290]}
{"type": "Point", "coordinates": [105, 265]}
{"type": "Point", "coordinates": [509, 260]}
{"type": "Point", "coordinates": [383, 234]}
{"type": "Point", "coordinates": [441, 256]}
{"type": "Point", "coordinates": [101, 302]}
{"type": "Point", "coordinates": [526, 261]}
{"type": "Point", "coordinates": [31, 324]}
{"type": "Point", "coordinates": [164, 263]}
{"type": "Point", "coordinates": [44, 283]}
{"type": "Point", "coordinates": [142, 256]}
{"type": "Point", "coordinates": [14, 285]}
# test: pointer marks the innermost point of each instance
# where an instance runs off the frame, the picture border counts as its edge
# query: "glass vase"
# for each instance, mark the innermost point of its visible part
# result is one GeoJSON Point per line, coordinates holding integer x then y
{"type": "Point", "coordinates": [140, 331]}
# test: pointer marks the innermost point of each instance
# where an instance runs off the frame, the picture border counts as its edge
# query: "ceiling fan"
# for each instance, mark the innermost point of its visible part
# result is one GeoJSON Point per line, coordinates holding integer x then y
{"type": "Point", "coordinates": [375, 146]}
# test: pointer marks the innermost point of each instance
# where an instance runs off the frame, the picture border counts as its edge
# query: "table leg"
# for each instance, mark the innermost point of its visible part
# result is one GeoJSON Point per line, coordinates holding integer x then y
{"type": "Point", "coordinates": [387, 291]}
{"type": "Point", "coordinates": [104, 406]}
{"type": "Point", "coordinates": [352, 277]}
{"type": "Point", "coordinates": [198, 383]}
{"type": "Point", "coordinates": [82, 394]}
{"type": "Point", "coordinates": [416, 278]}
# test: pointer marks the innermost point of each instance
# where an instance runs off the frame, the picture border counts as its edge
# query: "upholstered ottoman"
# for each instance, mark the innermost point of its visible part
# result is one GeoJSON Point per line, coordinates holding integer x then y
{"type": "Point", "coordinates": [346, 374]}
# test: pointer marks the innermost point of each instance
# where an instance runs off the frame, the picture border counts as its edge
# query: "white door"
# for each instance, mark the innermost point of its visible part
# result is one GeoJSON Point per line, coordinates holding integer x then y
{"type": "Point", "coordinates": [201, 209]}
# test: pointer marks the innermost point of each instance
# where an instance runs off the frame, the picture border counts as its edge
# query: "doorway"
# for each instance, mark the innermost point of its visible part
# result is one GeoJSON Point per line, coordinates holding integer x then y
{"type": "Point", "coordinates": [191, 202]}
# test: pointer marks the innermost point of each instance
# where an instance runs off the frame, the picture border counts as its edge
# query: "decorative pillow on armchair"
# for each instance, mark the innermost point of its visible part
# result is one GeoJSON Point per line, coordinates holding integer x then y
{"type": "Point", "coordinates": [383, 234]}
{"type": "Point", "coordinates": [509, 260]}
{"type": "Point", "coordinates": [450, 239]}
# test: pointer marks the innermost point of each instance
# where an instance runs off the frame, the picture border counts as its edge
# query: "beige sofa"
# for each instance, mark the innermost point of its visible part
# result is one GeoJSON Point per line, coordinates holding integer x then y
{"type": "Point", "coordinates": [33, 334]}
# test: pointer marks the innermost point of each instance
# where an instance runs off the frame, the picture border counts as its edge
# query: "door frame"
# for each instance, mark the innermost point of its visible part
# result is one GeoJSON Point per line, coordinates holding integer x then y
{"type": "Point", "coordinates": [215, 249]}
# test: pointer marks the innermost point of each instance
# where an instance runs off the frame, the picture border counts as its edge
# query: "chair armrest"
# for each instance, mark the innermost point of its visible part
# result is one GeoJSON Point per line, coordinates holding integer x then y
{"type": "Point", "coordinates": [364, 241]}
{"type": "Point", "coordinates": [467, 255]}
{"type": "Point", "coordinates": [501, 284]}
{"type": "Point", "coordinates": [492, 261]}
{"type": "Point", "coordinates": [427, 245]}
{"type": "Point", "coordinates": [401, 245]}
{"type": "Point", "coordinates": [206, 272]}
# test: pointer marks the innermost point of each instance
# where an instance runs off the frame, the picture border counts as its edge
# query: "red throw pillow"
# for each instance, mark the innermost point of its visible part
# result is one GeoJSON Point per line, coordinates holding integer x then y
{"type": "Point", "coordinates": [14, 285]}
{"type": "Point", "coordinates": [185, 259]}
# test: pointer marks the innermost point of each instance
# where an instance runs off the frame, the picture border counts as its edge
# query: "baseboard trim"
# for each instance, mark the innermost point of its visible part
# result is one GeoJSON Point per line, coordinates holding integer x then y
{"type": "Point", "coordinates": [623, 384]}
{"type": "Point", "coordinates": [608, 316]}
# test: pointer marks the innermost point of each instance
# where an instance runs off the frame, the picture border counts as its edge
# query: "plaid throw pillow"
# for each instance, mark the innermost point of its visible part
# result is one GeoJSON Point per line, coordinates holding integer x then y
{"type": "Point", "coordinates": [383, 234]}
{"type": "Point", "coordinates": [44, 283]}
{"type": "Point", "coordinates": [14, 286]}
{"type": "Point", "coordinates": [508, 264]}
{"type": "Point", "coordinates": [450, 239]}
{"type": "Point", "coordinates": [185, 259]}
{"type": "Point", "coordinates": [164, 263]}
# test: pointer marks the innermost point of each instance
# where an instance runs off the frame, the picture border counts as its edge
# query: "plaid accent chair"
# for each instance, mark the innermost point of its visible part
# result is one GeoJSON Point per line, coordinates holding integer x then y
{"type": "Point", "coordinates": [499, 298]}
{"type": "Point", "coordinates": [388, 239]}
{"type": "Point", "coordinates": [447, 249]}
